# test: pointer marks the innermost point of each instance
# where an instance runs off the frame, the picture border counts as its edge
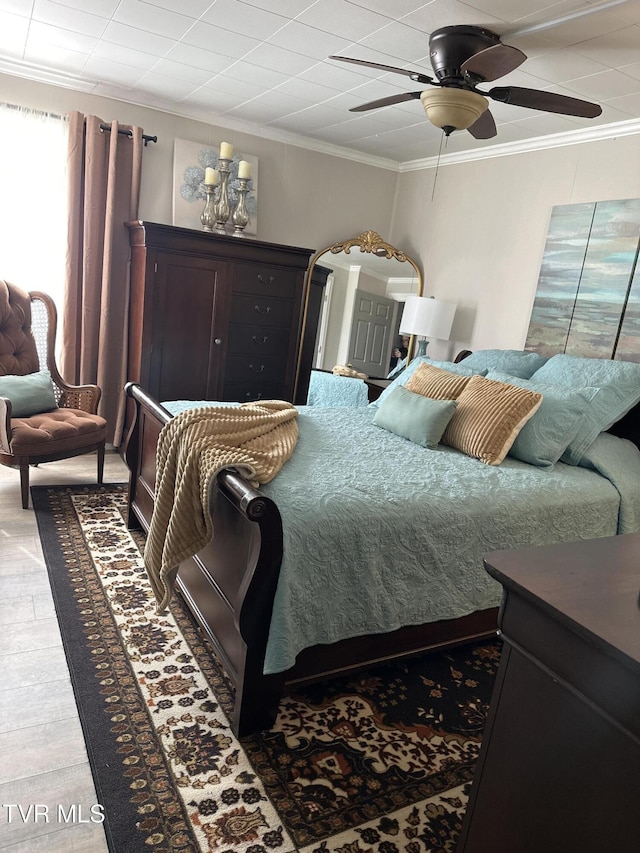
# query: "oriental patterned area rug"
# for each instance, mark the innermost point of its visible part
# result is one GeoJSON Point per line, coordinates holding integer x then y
{"type": "Point", "coordinates": [375, 763]}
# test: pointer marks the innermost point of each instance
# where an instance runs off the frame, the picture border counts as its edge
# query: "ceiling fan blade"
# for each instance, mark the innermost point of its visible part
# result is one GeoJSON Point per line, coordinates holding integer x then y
{"type": "Point", "coordinates": [414, 75]}
{"type": "Point", "coordinates": [484, 127]}
{"type": "Point", "coordinates": [386, 102]}
{"type": "Point", "coordinates": [536, 99]}
{"type": "Point", "coordinates": [493, 62]}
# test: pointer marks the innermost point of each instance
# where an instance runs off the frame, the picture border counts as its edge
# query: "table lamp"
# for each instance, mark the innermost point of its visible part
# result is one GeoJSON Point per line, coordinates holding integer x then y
{"type": "Point", "coordinates": [427, 317]}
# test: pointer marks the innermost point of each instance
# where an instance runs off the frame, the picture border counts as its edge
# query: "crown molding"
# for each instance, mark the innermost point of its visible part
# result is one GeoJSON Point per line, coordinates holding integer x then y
{"type": "Point", "coordinates": [540, 143]}
{"type": "Point", "coordinates": [287, 138]}
{"type": "Point", "coordinates": [17, 68]}
{"type": "Point", "coordinates": [29, 71]}
{"type": "Point", "coordinates": [262, 131]}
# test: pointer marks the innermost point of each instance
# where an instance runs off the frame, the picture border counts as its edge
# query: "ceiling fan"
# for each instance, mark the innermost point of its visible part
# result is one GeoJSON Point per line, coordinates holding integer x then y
{"type": "Point", "coordinates": [464, 57]}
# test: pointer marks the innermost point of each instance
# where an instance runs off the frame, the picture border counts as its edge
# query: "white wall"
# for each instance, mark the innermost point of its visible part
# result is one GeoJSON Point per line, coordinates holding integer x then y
{"type": "Point", "coordinates": [481, 239]}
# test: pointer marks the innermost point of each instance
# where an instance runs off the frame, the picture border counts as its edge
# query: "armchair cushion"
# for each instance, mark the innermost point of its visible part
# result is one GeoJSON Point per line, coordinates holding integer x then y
{"type": "Point", "coordinates": [30, 394]}
{"type": "Point", "coordinates": [56, 432]}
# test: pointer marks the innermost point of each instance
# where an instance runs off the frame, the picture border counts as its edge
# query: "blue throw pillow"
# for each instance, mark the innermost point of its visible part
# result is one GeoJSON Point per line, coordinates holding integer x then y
{"type": "Point", "coordinates": [619, 384]}
{"type": "Point", "coordinates": [404, 377]}
{"type": "Point", "coordinates": [412, 416]}
{"type": "Point", "coordinates": [30, 394]}
{"type": "Point", "coordinates": [547, 434]}
{"type": "Point", "coordinates": [512, 361]}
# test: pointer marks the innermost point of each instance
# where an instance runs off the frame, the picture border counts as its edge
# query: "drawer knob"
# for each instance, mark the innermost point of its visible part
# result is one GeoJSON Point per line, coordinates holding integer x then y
{"type": "Point", "coordinates": [262, 279]}
{"type": "Point", "coordinates": [217, 341]}
{"type": "Point", "coordinates": [256, 369]}
{"type": "Point", "coordinates": [261, 340]}
{"type": "Point", "coordinates": [260, 310]}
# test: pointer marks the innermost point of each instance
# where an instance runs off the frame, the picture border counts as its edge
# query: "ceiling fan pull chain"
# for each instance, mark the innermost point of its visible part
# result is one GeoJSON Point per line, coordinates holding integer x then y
{"type": "Point", "coordinates": [444, 136]}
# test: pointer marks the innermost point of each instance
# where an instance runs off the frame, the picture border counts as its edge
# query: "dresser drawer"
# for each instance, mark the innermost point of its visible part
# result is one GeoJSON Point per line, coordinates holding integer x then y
{"type": "Point", "coordinates": [249, 368]}
{"type": "Point", "coordinates": [265, 280]}
{"type": "Point", "coordinates": [257, 340]}
{"type": "Point", "coordinates": [261, 311]}
{"type": "Point", "coordinates": [244, 392]}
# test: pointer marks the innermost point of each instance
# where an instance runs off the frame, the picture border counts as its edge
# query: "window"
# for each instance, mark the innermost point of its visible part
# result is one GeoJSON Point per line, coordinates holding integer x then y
{"type": "Point", "coordinates": [33, 213]}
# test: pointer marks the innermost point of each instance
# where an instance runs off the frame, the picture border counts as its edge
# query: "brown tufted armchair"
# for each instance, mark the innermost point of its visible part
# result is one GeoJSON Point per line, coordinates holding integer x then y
{"type": "Point", "coordinates": [69, 426]}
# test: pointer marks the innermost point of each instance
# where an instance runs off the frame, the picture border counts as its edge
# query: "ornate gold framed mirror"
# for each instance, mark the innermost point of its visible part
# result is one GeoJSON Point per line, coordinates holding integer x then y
{"type": "Point", "coordinates": [354, 298]}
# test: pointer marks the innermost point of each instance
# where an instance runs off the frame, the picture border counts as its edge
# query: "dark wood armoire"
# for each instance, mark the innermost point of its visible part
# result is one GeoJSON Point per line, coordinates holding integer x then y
{"type": "Point", "coordinates": [218, 318]}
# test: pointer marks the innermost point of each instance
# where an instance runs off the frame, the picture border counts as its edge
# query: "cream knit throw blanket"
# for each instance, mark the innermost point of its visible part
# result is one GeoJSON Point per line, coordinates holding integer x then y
{"type": "Point", "coordinates": [254, 439]}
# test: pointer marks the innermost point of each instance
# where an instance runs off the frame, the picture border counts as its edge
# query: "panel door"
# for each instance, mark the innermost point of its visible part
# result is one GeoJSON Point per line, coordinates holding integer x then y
{"type": "Point", "coordinates": [190, 320]}
{"type": "Point", "coordinates": [371, 333]}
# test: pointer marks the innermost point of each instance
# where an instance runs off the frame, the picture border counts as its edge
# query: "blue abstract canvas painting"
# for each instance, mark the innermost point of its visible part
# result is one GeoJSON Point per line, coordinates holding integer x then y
{"type": "Point", "coordinates": [587, 301]}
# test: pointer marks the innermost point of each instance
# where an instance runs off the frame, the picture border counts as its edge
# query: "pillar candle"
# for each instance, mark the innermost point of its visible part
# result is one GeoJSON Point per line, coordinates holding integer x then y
{"type": "Point", "coordinates": [226, 151]}
{"type": "Point", "coordinates": [244, 169]}
{"type": "Point", "coordinates": [210, 176]}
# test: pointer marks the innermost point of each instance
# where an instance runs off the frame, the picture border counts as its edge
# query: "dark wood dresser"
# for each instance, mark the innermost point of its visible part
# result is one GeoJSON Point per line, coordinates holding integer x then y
{"type": "Point", "coordinates": [559, 770]}
{"type": "Point", "coordinates": [215, 317]}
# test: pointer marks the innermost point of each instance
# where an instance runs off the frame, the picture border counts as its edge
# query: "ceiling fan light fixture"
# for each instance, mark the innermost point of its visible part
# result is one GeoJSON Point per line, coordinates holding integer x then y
{"type": "Point", "coordinates": [453, 109]}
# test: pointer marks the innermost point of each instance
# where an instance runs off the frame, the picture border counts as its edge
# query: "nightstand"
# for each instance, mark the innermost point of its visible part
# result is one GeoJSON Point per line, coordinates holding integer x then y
{"type": "Point", "coordinates": [376, 387]}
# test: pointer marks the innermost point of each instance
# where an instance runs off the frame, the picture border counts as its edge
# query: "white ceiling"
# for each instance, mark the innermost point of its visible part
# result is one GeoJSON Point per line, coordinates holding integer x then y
{"type": "Point", "coordinates": [262, 66]}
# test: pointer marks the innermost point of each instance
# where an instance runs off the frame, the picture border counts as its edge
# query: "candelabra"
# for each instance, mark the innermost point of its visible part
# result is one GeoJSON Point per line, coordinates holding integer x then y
{"type": "Point", "coordinates": [240, 216]}
{"type": "Point", "coordinates": [222, 206]}
{"type": "Point", "coordinates": [208, 215]}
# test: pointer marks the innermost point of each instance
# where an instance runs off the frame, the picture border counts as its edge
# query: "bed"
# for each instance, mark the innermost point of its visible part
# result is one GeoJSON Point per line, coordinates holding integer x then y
{"type": "Point", "coordinates": [329, 567]}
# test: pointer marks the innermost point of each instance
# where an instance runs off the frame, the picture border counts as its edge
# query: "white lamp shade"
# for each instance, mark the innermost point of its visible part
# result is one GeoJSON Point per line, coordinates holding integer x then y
{"type": "Point", "coordinates": [429, 318]}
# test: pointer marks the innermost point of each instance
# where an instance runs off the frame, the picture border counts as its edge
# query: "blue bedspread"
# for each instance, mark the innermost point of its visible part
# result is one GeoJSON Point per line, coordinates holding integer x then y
{"type": "Point", "coordinates": [325, 389]}
{"type": "Point", "coordinates": [380, 532]}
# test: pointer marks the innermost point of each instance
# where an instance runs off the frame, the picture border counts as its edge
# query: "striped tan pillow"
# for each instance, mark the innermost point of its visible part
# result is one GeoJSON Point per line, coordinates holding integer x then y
{"type": "Point", "coordinates": [489, 417]}
{"type": "Point", "coordinates": [430, 381]}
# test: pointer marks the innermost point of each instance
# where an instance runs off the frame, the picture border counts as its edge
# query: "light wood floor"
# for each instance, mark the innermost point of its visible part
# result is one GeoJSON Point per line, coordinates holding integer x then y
{"type": "Point", "coordinates": [43, 759]}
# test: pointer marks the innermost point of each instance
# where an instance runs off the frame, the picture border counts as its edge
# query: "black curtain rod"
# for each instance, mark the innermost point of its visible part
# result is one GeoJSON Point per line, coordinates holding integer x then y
{"type": "Point", "coordinates": [129, 133]}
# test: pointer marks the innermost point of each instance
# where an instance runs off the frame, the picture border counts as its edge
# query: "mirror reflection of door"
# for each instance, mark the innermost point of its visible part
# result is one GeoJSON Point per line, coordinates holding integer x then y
{"type": "Point", "coordinates": [342, 335]}
{"type": "Point", "coordinates": [323, 324]}
{"type": "Point", "coordinates": [372, 333]}
{"type": "Point", "coordinates": [393, 281]}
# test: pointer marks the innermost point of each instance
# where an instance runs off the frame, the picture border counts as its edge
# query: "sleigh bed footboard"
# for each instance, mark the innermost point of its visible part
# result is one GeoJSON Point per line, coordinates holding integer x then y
{"type": "Point", "coordinates": [230, 585]}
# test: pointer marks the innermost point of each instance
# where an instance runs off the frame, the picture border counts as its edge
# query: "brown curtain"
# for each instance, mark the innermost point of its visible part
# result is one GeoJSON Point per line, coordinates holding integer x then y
{"type": "Point", "coordinates": [103, 168]}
